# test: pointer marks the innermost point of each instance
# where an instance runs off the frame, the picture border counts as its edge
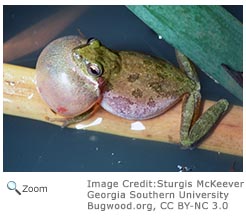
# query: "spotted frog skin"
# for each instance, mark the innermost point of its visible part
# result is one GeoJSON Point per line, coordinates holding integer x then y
{"type": "Point", "coordinates": [144, 87]}
{"type": "Point", "coordinates": [137, 86]}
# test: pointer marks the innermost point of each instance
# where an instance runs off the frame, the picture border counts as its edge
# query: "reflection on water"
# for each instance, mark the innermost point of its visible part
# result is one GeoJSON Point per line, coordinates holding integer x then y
{"type": "Point", "coordinates": [39, 34]}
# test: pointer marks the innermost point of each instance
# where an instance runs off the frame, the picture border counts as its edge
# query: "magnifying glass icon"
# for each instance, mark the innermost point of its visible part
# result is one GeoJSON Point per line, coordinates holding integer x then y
{"type": "Point", "coordinates": [12, 186]}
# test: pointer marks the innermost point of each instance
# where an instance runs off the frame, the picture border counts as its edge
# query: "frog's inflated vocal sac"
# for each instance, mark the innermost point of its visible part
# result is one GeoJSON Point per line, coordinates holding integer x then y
{"type": "Point", "coordinates": [137, 86]}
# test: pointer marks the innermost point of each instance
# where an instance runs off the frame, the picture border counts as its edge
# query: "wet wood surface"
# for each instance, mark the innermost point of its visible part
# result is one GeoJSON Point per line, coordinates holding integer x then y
{"type": "Point", "coordinates": [20, 98]}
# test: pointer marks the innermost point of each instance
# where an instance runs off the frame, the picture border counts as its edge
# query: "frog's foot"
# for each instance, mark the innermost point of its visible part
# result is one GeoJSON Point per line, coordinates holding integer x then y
{"type": "Point", "coordinates": [76, 119]}
{"type": "Point", "coordinates": [193, 129]}
{"type": "Point", "coordinates": [65, 121]}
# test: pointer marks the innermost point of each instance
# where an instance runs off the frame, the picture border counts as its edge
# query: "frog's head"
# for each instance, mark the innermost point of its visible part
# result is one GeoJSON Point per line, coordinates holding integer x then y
{"type": "Point", "coordinates": [95, 60]}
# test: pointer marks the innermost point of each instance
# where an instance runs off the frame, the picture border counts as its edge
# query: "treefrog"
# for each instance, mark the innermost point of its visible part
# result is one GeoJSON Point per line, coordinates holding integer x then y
{"type": "Point", "coordinates": [138, 87]}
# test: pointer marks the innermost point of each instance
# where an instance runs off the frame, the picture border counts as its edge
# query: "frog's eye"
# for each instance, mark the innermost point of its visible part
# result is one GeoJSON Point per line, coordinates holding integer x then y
{"type": "Point", "coordinates": [94, 69]}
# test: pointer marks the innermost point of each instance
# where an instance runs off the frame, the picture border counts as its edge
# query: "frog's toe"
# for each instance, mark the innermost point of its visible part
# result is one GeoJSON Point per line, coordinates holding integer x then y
{"type": "Point", "coordinates": [187, 147]}
{"type": "Point", "coordinates": [64, 121]}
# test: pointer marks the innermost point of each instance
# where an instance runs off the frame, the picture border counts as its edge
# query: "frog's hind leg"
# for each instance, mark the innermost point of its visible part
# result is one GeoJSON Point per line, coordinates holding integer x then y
{"type": "Point", "coordinates": [188, 68]}
{"type": "Point", "coordinates": [193, 127]}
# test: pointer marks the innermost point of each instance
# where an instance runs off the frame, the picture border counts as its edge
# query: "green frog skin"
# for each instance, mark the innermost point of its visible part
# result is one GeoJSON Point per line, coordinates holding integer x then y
{"type": "Point", "coordinates": [138, 86]}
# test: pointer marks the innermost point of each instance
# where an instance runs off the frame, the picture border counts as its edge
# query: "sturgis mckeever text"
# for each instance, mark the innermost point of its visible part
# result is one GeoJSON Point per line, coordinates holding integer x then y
{"type": "Point", "coordinates": [149, 195]}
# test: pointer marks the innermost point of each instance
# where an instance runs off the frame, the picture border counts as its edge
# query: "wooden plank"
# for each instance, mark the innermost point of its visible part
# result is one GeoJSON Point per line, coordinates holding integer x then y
{"type": "Point", "coordinates": [20, 98]}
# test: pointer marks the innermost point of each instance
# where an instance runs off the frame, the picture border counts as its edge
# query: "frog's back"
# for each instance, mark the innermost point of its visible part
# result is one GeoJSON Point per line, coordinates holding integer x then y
{"type": "Point", "coordinates": [144, 88]}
